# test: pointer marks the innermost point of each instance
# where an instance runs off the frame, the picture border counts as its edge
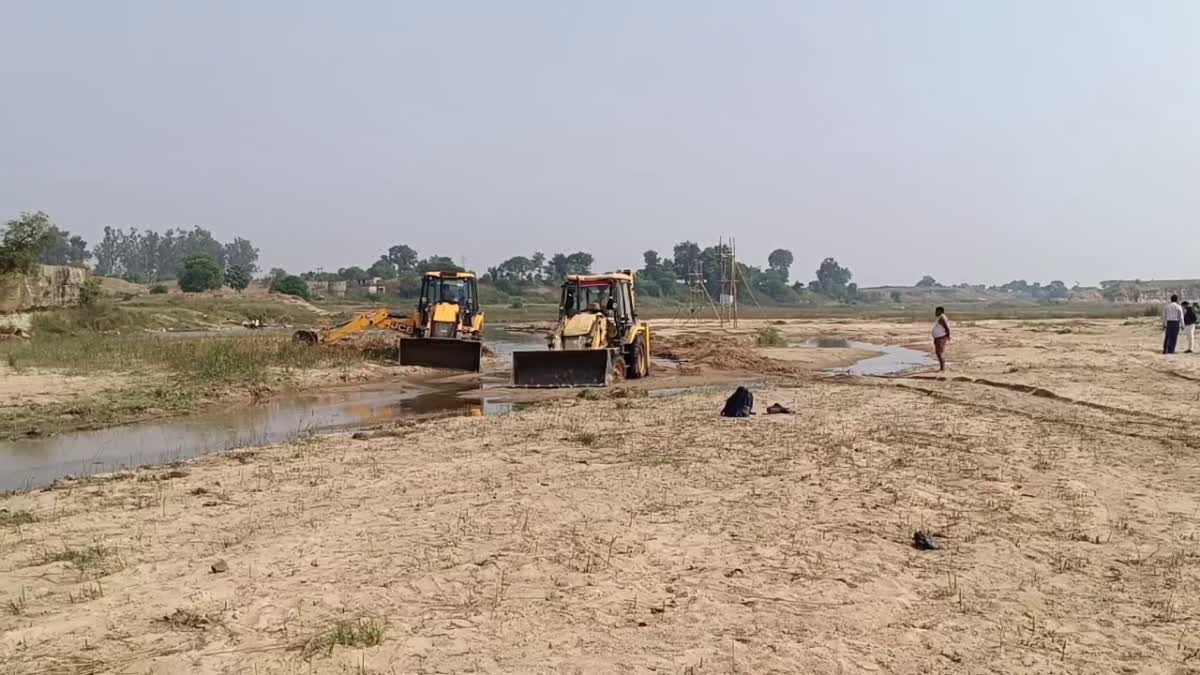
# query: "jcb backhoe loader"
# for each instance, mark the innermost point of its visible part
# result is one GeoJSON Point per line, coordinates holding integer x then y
{"type": "Point", "coordinates": [597, 337]}
{"type": "Point", "coordinates": [445, 332]}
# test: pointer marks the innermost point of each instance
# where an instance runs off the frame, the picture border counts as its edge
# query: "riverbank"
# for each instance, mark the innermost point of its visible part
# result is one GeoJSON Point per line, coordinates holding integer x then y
{"type": "Point", "coordinates": [641, 531]}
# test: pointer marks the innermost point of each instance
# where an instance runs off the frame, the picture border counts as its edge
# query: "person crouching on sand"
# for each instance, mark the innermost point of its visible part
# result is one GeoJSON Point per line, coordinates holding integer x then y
{"type": "Point", "coordinates": [941, 335]}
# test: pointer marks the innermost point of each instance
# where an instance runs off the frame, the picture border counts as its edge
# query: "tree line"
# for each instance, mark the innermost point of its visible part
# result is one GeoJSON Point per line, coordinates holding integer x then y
{"type": "Point", "coordinates": [667, 277]}
{"type": "Point", "coordinates": [198, 261]}
{"type": "Point", "coordinates": [192, 257]}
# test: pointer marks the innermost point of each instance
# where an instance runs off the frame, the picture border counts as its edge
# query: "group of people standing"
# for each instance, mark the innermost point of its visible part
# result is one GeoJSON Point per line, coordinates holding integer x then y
{"type": "Point", "coordinates": [1178, 318]}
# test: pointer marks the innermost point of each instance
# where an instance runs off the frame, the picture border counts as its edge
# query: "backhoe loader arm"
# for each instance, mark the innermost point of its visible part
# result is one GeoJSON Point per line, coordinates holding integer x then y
{"type": "Point", "coordinates": [366, 321]}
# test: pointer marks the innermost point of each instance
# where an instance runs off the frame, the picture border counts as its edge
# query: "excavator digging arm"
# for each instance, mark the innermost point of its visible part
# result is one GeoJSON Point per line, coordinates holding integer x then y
{"type": "Point", "coordinates": [375, 318]}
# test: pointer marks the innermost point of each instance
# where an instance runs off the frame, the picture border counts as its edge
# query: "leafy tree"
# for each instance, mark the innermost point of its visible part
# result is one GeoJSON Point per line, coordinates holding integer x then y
{"type": "Point", "coordinates": [237, 277]}
{"type": "Point", "coordinates": [290, 285]}
{"type": "Point", "coordinates": [538, 260]}
{"type": "Point", "coordinates": [515, 269]}
{"type": "Point", "coordinates": [927, 282]}
{"type": "Point", "coordinates": [65, 249]}
{"type": "Point", "coordinates": [24, 241]}
{"type": "Point", "coordinates": [199, 273]}
{"type": "Point", "coordinates": [438, 263]}
{"type": "Point", "coordinates": [242, 254]}
{"type": "Point", "coordinates": [383, 268]}
{"type": "Point", "coordinates": [833, 280]}
{"type": "Point", "coordinates": [896, 296]}
{"type": "Point", "coordinates": [579, 263]}
{"type": "Point", "coordinates": [106, 253]}
{"type": "Point", "coordinates": [353, 273]}
{"type": "Point", "coordinates": [558, 268]}
{"type": "Point", "coordinates": [780, 261]}
{"type": "Point", "coordinates": [651, 260]}
{"type": "Point", "coordinates": [277, 272]}
{"type": "Point", "coordinates": [404, 257]}
{"type": "Point", "coordinates": [687, 254]}
{"type": "Point", "coordinates": [407, 285]}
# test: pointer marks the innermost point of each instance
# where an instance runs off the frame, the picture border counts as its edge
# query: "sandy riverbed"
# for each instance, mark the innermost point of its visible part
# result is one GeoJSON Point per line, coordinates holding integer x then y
{"type": "Point", "coordinates": [644, 534]}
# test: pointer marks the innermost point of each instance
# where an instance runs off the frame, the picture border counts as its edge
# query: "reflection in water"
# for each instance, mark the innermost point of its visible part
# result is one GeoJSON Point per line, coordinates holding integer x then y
{"type": "Point", "coordinates": [892, 359]}
{"type": "Point", "coordinates": [37, 461]}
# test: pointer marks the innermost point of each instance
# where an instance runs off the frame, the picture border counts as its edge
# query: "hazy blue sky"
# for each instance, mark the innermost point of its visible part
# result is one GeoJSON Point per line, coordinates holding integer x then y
{"type": "Point", "coordinates": [967, 139]}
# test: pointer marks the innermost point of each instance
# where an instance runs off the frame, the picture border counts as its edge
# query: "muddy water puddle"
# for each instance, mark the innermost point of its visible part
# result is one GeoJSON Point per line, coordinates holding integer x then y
{"type": "Point", "coordinates": [33, 462]}
{"type": "Point", "coordinates": [891, 360]}
{"type": "Point", "coordinates": [37, 461]}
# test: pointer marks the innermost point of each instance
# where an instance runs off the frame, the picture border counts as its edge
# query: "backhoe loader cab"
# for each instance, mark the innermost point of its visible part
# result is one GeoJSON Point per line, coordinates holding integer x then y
{"type": "Point", "coordinates": [449, 305]}
{"type": "Point", "coordinates": [597, 335]}
{"type": "Point", "coordinates": [449, 324]}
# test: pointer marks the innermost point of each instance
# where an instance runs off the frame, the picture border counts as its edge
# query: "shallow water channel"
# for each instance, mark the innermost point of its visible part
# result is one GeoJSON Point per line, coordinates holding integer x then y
{"type": "Point", "coordinates": [892, 359]}
{"type": "Point", "coordinates": [32, 462]}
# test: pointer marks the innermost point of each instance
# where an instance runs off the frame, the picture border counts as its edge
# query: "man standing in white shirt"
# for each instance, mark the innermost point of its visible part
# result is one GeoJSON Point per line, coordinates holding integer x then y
{"type": "Point", "coordinates": [941, 335]}
{"type": "Point", "coordinates": [1172, 317]}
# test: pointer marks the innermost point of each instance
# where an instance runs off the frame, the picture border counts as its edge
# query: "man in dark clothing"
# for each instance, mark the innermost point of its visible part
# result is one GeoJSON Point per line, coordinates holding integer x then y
{"type": "Point", "coordinates": [1172, 318]}
{"type": "Point", "coordinates": [1189, 324]}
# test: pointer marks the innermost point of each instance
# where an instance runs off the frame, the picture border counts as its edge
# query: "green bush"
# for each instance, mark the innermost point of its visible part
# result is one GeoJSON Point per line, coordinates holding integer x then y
{"type": "Point", "coordinates": [89, 293]}
{"type": "Point", "coordinates": [200, 273]}
{"type": "Point", "coordinates": [158, 289]}
{"type": "Point", "coordinates": [290, 285]}
{"type": "Point", "coordinates": [237, 278]}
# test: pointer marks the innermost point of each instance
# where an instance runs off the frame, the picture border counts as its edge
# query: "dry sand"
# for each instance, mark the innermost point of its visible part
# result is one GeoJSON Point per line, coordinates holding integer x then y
{"type": "Point", "coordinates": [646, 534]}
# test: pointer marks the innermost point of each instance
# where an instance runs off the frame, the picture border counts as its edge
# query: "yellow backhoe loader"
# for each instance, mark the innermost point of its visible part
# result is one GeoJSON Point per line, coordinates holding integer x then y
{"type": "Point", "coordinates": [597, 337]}
{"type": "Point", "coordinates": [445, 332]}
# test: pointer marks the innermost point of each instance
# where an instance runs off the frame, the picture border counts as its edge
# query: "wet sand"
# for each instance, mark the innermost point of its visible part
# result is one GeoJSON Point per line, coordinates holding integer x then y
{"type": "Point", "coordinates": [639, 533]}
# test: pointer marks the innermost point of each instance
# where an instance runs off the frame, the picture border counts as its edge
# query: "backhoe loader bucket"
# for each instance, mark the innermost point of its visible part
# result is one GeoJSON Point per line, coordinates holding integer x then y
{"type": "Point", "coordinates": [562, 368]}
{"type": "Point", "coordinates": [446, 353]}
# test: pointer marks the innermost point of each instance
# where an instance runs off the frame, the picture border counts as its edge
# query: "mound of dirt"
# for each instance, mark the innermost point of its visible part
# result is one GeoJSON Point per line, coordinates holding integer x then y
{"type": "Point", "coordinates": [116, 286]}
{"type": "Point", "coordinates": [720, 353]}
{"type": "Point", "coordinates": [300, 302]}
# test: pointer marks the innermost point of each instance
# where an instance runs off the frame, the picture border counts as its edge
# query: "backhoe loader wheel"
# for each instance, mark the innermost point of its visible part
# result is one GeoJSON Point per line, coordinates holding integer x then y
{"type": "Point", "coordinates": [635, 365]}
{"type": "Point", "coordinates": [306, 337]}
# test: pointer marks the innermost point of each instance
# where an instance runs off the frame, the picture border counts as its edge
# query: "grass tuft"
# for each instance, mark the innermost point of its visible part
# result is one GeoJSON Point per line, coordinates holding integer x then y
{"type": "Point", "coordinates": [587, 439]}
{"type": "Point", "coordinates": [769, 336]}
{"type": "Point", "coordinates": [16, 518]}
{"type": "Point", "coordinates": [358, 633]}
{"type": "Point", "coordinates": [94, 556]}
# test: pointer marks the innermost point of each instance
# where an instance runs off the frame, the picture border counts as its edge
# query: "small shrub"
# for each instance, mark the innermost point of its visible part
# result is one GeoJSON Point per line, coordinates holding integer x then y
{"type": "Point", "coordinates": [517, 303]}
{"type": "Point", "coordinates": [81, 558]}
{"type": "Point", "coordinates": [89, 293]}
{"type": "Point", "coordinates": [360, 633]}
{"type": "Point", "coordinates": [586, 438]}
{"type": "Point", "coordinates": [200, 273]}
{"type": "Point", "coordinates": [290, 285]}
{"type": "Point", "coordinates": [769, 336]}
{"type": "Point", "coordinates": [158, 289]}
{"type": "Point", "coordinates": [15, 518]}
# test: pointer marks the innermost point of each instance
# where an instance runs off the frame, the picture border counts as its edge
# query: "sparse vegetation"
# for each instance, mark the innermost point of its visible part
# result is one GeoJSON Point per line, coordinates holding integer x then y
{"type": "Point", "coordinates": [200, 273]}
{"type": "Point", "coordinates": [358, 633]}
{"type": "Point", "coordinates": [94, 557]}
{"type": "Point", "coordinates": [770, 336]}
{"type": "Point", "coordinates": [586, 438]}
{"type": "Point", "coordinates": [290, 285]}
{"type": "Point", "coordinates": [16, 518]}
{"type": "Point", "coordinates": [16, 606]}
